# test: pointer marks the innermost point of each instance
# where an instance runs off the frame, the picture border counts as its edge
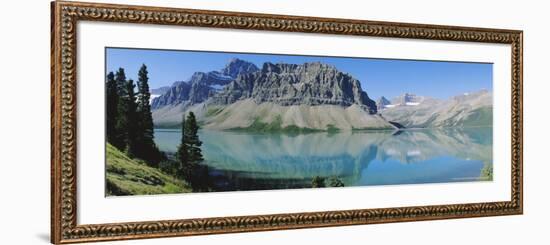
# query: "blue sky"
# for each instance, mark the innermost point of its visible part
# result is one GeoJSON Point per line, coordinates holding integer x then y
{"type": "Point", "coordinates": [379, 77]}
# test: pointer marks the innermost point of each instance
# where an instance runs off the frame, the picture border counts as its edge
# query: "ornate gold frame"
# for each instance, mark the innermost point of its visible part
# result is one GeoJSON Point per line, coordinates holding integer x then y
{"type": "Point", "coordinates": [65, 15]}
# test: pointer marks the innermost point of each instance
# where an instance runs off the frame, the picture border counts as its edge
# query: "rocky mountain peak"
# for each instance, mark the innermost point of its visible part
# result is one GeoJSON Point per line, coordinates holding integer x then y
{"type": "Point", "coordinates": [382, 102]}
{"type": "Point", "coordinates": [292, 84]}
{"type": "Point", "coordinates": [310, 67]}
{"type": "Point", "coordinates": [237, 66]}
{"type": "Point", "coordinates": [202, 85]}
{"type": "Point", "coordinates": [318, 66]}
{"type": "Point", "coordinates": [270, 67]}
{"type": "Point", "coordinates": [467, 109]}
{"type": "Point", "coordinates": [407, 99]}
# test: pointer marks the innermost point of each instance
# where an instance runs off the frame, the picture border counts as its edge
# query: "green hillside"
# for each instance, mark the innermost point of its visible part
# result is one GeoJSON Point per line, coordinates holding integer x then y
{"type": "Point", "coordinates": [480, 117]}
{"type": "Point", "coordinates": [126, 176]}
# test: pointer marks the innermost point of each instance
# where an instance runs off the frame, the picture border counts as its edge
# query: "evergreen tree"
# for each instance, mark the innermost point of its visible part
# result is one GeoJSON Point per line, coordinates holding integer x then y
{"type": "Point", "coordinates": [120, 78]}
{"type": "Point", "coordinates": [111, 107]}
{"type": "Point", "coordinates": [120, 124]}
{"type": "Point", "coordinates": [182, 154]}
{"type": "Point", "coordinates": [199, 173]}
{"type": "Point", "coordinates": [190, 155]}
{"type": "Point", "coordinates": [131, 117]}
{"type": "Point", "coordinates": [192, 139]}
{"type": "Point", "coordinates": [147, 150]}
{"type": "Point", "coordinates": [126, 111]}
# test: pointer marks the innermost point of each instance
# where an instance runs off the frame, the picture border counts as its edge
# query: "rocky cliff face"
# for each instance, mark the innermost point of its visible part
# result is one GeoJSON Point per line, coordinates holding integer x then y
{"type": "Point", "coordinates": [307, 96]}
{"type": "Point", "coordinates": [407, 99]}
{"type": "Point", "coordinates": [382, 103]}
{"type": "Point", "coordinates": [290, 84]}
{"type": "Point", "coordinates": [237, 66]}
{"type": "Point", "coordinates": [202, 85]}
{"type": "Point", "coordinates": [276, 97]}
{"type": "Point", "coordinates": [156, 92]}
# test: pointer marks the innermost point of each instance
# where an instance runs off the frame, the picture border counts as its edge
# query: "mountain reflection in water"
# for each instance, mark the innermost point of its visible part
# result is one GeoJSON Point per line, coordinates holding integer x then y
{"type": "Point", "coordinates": [253, 161]}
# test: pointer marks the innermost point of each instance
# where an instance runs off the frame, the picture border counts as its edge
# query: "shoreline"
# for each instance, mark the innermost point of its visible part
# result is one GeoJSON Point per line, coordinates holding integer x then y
{"type": "Point", "coordinates": [309, 131]}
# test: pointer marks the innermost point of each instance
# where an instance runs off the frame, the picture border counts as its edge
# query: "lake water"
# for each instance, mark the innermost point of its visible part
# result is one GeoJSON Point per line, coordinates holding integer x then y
{"type": "Point", "coordinates": [256, 161]}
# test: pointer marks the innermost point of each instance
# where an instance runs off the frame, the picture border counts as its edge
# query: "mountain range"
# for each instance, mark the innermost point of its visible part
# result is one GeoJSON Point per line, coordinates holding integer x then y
{"type": "Point", "coordinates": [309, 96]}
{"type": "Point", "coordinates": [156, 92]}
{"type": "Point", "coordinates": [466, 110]}
{"type": "Point", "coordinates": [202, 85]}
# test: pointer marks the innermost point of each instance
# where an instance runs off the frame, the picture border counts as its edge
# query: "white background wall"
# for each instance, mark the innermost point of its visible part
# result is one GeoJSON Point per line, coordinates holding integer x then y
{"type": "Point", "coordinates": [25, 101]}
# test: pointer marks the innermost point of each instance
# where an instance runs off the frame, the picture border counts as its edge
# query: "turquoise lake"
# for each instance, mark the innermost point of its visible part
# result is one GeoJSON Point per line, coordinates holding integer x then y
{"type": "Point", "coordinates": [260, 161]}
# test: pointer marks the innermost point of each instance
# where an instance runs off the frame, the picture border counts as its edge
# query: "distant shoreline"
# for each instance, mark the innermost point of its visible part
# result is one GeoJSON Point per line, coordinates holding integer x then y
{"type": "Point", "coordinates": [309, 131]}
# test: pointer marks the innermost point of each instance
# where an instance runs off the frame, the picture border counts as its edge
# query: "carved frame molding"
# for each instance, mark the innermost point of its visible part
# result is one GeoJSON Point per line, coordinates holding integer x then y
{"type": "Point", "coordinates": [65, 16]}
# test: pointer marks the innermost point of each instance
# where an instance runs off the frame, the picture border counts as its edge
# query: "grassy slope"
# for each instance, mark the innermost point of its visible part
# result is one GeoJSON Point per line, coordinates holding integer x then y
{"type": "Point", "coordinates": [480, 117]}
{"type": "Point", "coordinates": [127, 176]}
{"type": "Point", "coordinates": [274, 126]}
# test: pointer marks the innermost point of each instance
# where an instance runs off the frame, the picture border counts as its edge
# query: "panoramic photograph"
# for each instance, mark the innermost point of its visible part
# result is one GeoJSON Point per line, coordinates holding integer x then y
{"type": "Point", "coordinates": [196, 121]}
